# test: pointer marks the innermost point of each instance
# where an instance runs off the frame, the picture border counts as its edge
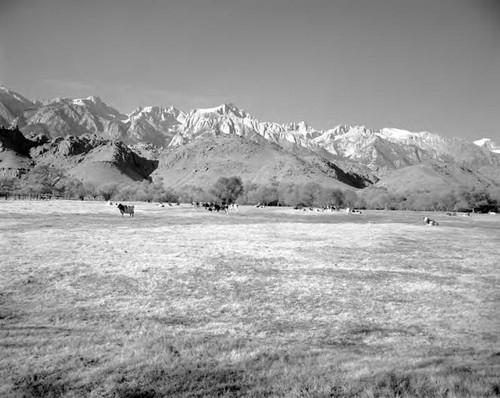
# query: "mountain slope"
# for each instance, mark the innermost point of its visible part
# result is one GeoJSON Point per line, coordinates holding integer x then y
{"type": "Point", "coordinates": [94, 159]}
{"type": "Point", "coordinates": [12, 107]}
{"type": "Point", "coordinates": [436, 177]}
{"type": "Point", "coordinates": [76, 117]}
{"type": "Point", "coordinates": [382, 151]}
{"type": "Point", "coordinates": [202, 161]}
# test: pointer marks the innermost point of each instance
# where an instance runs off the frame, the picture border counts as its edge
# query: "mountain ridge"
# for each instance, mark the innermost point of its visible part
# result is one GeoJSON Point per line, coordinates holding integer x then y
{"type": "Point", "coordinates": [296, 131]}
{"type": "Point", "coordinates": [361, 156]}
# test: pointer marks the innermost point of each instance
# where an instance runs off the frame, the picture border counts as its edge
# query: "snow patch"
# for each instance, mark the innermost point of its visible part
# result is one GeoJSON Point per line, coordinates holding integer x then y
{"type": "Point", "coordinates": [488, 144]}
{"type": "Point", "coordinates": [482, 142]}
{"type": "Point", "coordinates": [397, 134]}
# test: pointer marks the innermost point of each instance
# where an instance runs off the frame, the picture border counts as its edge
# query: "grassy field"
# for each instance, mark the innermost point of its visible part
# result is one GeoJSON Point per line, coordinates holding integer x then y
{"type": "Point", "coordinates": [267, 302]}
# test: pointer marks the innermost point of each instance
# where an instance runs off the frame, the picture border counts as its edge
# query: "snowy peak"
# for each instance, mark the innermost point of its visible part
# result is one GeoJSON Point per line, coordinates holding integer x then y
{"type": "Point", "coordinates": [89, 101]}
{"type": "Point", "coordinates": [154, 124]}
{"type": "Point", "coordinates": [342, 133]}
{"type": "Point", "coordinates": [223, 119]}
{"type": "Point", "coordinates": [301, 128]}
{"type": "Point", "coordinates": [156, 112]}
{"type": "Point", "coordinates": [398, 134]}
{"type": "Point", "coordinates": [483, 142]}
{"type": "Point", "coordinates": [66, 116]}
{"type": "Point", "coordinates": [92, 104]}
{"type": "Point", "coordinates": [344, 130]}
{"type": "Point", "coordinates": [228, 119]}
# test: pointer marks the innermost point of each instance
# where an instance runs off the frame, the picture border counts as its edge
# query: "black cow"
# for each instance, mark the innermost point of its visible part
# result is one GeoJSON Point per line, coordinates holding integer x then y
{"type": "Point", "coordinates": [124, 209]}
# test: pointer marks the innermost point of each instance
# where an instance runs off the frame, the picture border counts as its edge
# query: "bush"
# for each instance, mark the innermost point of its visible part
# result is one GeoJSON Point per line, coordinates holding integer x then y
{"type": "Point", "coordinates": [227, 190]}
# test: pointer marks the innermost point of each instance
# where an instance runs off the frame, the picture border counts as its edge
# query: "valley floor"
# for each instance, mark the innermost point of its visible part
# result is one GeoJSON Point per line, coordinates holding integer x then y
{"type": "Point", "coordinates": [182, 302]}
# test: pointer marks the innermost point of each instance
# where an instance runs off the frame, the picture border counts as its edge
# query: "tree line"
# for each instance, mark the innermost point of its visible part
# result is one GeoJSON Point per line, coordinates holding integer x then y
{"type": "Point", "coordinates": [49, 182]}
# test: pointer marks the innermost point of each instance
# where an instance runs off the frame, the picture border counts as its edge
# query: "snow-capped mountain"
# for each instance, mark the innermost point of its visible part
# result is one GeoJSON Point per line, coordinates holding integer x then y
{"type": "Point", "coordinates": [389, 148]}
{"type": "Point", "coordinates": [228, 119]}
{"type": "Point", "coordinates": [370, 147]}
{"type": "Point", "coordinates": [379, 150]}
{"type": "Point", "coordinates": [488, 144]}
{"type": "Point", "coordinates": [65, 116]}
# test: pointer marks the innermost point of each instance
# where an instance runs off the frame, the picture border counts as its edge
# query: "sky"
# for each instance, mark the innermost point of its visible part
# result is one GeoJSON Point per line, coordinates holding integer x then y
{"type": "Point", "coordinates": [420, 65]}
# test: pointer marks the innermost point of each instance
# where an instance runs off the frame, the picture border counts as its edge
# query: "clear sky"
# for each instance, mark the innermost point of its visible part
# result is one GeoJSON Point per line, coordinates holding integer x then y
{"type": "Point", "coordinates": [414, 64]}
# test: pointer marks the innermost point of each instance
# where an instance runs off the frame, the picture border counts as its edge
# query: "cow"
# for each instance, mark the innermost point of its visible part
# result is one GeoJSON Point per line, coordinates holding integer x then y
{"type": "Point", "coordinates": [429, 222]}
{"type": "Point", "coordinates": [124, 209]}
{"type": "Point", "coordinates": [217, 207]}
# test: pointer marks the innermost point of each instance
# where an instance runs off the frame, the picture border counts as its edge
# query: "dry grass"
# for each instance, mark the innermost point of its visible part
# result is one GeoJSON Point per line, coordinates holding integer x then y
{"type": "Point", "coordinates": [263, 302]}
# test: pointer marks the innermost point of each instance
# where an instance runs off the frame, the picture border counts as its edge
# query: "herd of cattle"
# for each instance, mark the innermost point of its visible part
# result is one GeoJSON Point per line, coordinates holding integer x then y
{"type": "Point", "coordinates": [323, 209]}
{"type": "Point", "coordinates": [210, 206]}
{"type": "Point", "coordinates": [216, 207]}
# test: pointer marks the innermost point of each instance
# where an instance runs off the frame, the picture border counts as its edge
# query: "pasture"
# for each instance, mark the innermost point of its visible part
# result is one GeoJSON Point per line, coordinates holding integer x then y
{"type": "Point", "coordinates": [270, 302]}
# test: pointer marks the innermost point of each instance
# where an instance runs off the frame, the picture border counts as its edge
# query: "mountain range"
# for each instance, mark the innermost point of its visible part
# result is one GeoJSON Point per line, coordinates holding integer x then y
{"type": "Point", "coordinates": [95, 142]}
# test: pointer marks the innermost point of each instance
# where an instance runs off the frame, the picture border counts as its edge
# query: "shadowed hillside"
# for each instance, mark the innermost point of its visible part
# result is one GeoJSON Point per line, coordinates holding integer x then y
{"type": "Point", "coordinates": [95, 159]}
{"type": "Point", "coordinates": [88, 158]}
{"type": "Point", "coordinates": [15, 150]}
